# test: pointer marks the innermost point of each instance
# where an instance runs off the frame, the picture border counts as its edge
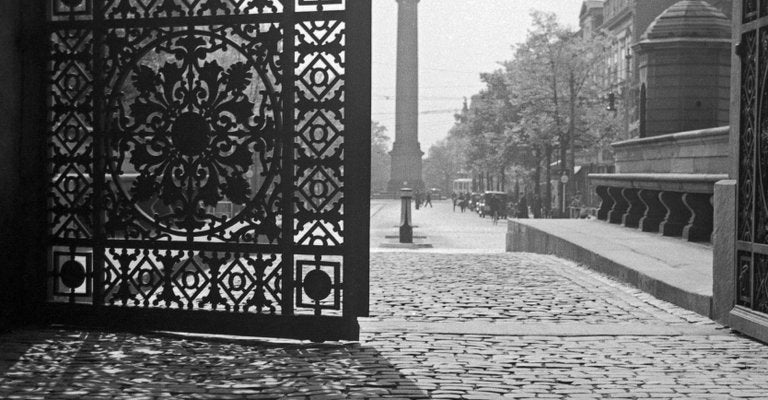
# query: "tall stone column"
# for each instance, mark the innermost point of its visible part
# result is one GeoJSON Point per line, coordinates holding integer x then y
{"type": "Point", "coordinates": [406, 152]}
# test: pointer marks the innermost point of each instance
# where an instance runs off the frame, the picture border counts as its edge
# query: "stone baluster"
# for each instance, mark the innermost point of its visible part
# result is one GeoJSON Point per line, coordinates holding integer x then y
{"type": "Point", "coordinates": [677, 216]}
{"type": "Point", "coordinates": [654, 211]}
{"type": "Point", "coordinates": [636, 208]}
{"type": "Point", "coordinates": [620, 205]}
{"type": "Point", "coordinates": [699, 228]}
{"type": "Point", "coordinates": [606, 203]}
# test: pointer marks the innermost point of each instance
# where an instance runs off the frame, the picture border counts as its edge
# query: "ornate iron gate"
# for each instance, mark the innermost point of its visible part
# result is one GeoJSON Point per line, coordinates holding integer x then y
{"type": "Point", "coordinates": [752, 203]}
{"type": "Point", "coordinates": [201, 155]}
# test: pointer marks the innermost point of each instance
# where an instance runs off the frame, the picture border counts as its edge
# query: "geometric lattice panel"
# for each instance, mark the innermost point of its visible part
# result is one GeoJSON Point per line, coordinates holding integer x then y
{"type": "Point", "coordinates": [198, 158]}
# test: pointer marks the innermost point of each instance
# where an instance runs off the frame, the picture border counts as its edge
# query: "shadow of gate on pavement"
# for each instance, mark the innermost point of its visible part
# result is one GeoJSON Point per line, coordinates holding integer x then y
{"type": "Point", "coordinates": [58, 363]}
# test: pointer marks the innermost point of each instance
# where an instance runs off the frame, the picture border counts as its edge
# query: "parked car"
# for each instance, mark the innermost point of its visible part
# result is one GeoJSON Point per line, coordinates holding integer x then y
{"type": "Point", "coordinates": [493, 201]}
{"type": "Point", "coordinates": [473, 199]}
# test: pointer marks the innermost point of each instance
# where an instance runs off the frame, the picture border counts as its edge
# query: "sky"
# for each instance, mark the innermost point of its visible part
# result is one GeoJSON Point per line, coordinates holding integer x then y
{"type": "Point", "coordinates": [458, 39]}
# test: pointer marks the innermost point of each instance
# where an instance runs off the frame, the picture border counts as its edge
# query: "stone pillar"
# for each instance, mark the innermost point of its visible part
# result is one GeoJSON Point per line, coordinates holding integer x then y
{"type": "Point", "coordinates": [678, 214]}
{"type": "Point", "coordinates": [606, 203]}
{"type": "Point", "coordinates": [654, 211]}
{"type": "Point", "coordinates": [699, 228]}
{"type": "Point", "coordinates": [406, 152]}
{"type": "Point", "coordinates": [724, 247]}
{"type": "Point", "coordinates": [620, 205]}
{"type": "Point", "coordinates": [636, 209]}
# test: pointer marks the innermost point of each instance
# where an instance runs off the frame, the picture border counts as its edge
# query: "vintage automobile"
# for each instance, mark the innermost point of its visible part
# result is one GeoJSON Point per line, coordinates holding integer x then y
{"type": "Point", "coordinates": [474, 198]}
{"type": "Point", "coordinates": [493, 201]}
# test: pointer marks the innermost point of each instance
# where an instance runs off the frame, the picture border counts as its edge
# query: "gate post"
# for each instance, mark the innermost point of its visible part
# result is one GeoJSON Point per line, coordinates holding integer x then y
{"type": "Point", "coordinates": [406, 226]}
{"type": "Point", "coordinates": [724, 245]}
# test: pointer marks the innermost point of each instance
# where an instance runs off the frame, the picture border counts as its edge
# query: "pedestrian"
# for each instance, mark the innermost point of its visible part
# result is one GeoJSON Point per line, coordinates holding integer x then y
{"type": "Point", "coordinates": [417, 198]}
{"type": "Point", "coordinates": [462, 202]}
{"type": "Point", "coordinates": [428, 199]}
{"type": "Point", "coordinates": [493, 208]}
{"type": "Point", "coordinates": [536, 208]}
{"type": "Point", "coordinates": [522, 208]}
{"type": "Point", "coordinates": [453, 199]}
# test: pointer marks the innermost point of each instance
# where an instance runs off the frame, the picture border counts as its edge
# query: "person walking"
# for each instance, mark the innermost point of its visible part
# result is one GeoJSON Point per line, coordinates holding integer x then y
{"type": "Point", "coordinates": [522, 208]}
{"type": "Point", "coordinates": [462, 202]}
{"type": "Point", "coordinates": [453, 199]}
{"type": "Point", "coordinates": [417, 198]}
{"type": "Point", "coordinates": [428, 199]}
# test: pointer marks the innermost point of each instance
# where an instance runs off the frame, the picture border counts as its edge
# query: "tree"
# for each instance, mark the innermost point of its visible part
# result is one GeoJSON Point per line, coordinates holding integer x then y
{"type": "Point", "coordinates": [380, 159]}
{"type": "Point", "coordinates": [555, 79]}
{"type": "Point", "coordinates": [542, 105]}
{"type": "Point", "coordinates": [444, 162]}
{"type": "Point", "coordinates": [483, 125]}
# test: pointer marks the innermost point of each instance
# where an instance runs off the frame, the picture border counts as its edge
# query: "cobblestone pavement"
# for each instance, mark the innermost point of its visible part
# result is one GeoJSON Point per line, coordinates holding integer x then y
{"type": "Point", "coordinates": [507, 287]}
{"type": "Point", "coordinates": [407, 350]}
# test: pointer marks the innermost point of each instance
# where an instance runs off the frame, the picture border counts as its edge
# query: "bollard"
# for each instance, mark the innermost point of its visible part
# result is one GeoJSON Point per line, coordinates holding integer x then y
{"type": "Point", "coordinates": [406, 226]}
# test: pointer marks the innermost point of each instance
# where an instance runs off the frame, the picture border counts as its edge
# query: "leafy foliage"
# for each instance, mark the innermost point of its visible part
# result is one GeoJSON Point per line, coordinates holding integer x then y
{"type": "Point", "coordinates": [544, 102]}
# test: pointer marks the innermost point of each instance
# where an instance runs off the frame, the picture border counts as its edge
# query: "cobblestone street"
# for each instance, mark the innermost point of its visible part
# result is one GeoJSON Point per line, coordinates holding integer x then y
{"type": "Point", "coordinates": [444, 325]}
{"type": "Point", "coordinates": [561, 332]}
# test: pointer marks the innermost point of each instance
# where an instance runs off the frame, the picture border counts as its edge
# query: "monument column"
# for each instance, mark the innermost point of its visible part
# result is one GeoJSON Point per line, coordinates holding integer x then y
{"type": "Point", "coordinates": [406, 152]}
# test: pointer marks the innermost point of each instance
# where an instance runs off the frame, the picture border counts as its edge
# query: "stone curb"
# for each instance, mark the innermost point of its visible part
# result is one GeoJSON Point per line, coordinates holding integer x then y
{"type": "Point", "coordinates": [525, 238]}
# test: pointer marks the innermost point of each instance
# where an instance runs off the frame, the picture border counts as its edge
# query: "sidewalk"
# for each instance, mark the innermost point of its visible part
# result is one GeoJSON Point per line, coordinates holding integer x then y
{"type": "Point", "coordinates": [670, 269]}
{"type": "Point", "coordinates": [439, 226]}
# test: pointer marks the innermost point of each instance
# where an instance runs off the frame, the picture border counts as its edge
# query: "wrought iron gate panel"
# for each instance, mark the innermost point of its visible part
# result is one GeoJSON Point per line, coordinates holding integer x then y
{"type": "Point", "coordinates": [196, 154]}
{"type": "Point", "coordinates": [752, 214]}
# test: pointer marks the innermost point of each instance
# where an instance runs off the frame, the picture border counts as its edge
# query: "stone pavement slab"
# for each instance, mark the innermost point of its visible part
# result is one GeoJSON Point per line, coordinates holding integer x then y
{"type": "Point", "coordinates": [567, 329]}
{"type": "Point", "coordinates": [669, 268]}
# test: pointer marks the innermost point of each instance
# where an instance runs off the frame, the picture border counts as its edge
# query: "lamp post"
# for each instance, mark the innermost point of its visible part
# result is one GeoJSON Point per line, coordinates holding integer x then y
{"type": "Point", "coordinates": [406, 225]}
{"type": "Point", "coordinates": [627, 86]}
{"type": "Point", "coordinates": [564, 180]}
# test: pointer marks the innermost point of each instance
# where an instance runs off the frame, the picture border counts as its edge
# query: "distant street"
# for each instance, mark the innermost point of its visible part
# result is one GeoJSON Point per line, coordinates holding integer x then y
{"type": "Point", "coordinates": [444, 229]}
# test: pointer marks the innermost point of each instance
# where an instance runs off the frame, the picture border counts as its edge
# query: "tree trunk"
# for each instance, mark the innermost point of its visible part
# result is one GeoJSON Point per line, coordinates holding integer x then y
{"type": "Point", "coordinates": [502, 180]}
{"type": "Point", "coordinates": [517, 189]}
{"type": "Point", "coordinates": [490, 181]}
{"type": "Point", "coordinates": [535, 202]}
{"type": "Point", "coordinates": [480, 182]}
{"type": "Point", "coordinates": [562, 139]}
{"type": "Point", "coordinates": [571, 136]}
{"type": "Point", "coordinates": [548, 199]}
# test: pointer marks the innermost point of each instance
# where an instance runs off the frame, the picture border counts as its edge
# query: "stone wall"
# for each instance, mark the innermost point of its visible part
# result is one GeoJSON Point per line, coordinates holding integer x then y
{"type": "Point", "coordinates": [688, 85]}
{"type": "Point", "coordinates": [10, 127]}
{"type": "Point", "coordinates": [22, 123]}
{"type": "Point", "coordinates": [703, 151]}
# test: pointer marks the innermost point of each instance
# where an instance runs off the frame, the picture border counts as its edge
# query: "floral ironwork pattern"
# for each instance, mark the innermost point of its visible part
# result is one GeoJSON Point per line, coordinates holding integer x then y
{"type": "Point", "coordinates": [747, 136]}
{"type": "Point", "coordinates": [128, 9]}
{"type": "Point", "coordinates": [196, 123]}
{"type": "Point", "coordinates": [751, 270]}
{"type": "Point", "coordinates": [193, 133]}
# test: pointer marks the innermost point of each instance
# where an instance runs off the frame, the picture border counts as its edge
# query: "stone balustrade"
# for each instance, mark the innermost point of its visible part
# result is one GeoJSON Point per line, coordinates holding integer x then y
{"type": "Point", "coordinates": [668, 203]}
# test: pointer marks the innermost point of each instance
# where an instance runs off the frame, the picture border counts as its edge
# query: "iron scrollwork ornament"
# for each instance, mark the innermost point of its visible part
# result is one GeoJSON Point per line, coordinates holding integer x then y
{"type": "Point", "coordinates": [198, 129]}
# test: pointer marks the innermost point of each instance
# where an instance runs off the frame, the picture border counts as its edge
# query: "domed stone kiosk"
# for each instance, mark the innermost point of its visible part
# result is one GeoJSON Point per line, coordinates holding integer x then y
{"type": "Point", "coordinates": [684, 68]}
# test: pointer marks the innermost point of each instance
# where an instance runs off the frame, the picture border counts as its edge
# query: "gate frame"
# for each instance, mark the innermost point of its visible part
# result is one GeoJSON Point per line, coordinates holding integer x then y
{"type": "Point", "coordinates": [740, 318]}
{"type": "Point", "coordinates": [33, 223]}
